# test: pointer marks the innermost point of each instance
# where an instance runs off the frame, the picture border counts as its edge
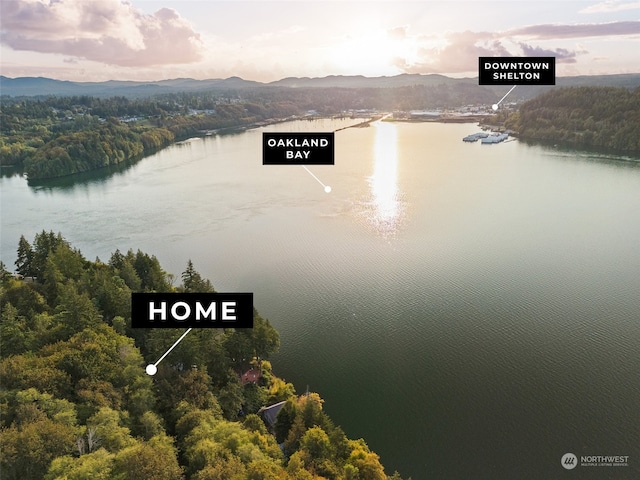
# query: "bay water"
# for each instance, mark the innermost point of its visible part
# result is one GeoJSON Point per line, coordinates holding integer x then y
{"type": "Point", "coordinates": [471, 311]}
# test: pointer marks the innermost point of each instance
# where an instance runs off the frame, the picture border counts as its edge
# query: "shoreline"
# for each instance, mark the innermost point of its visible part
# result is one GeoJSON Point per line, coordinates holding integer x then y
{"type": "Point", "coordinates": [385, 117]}
{"type": "Point", "coordinates": [452, 119]}
{"type": "Point", "coordinates": [183, 140]}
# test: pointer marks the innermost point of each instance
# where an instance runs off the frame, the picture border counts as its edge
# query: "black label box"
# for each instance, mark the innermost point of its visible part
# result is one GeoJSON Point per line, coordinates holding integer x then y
{"type": "Point", "coordinates": [298, 148]}
{"type": "Point", "coordinates": [517, 70]}
{"type": "Point", "coordinates": [195, 310]}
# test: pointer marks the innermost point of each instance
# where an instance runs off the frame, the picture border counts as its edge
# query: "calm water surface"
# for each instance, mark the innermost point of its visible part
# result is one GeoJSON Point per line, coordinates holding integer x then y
{"type": "Point", "coordinates": [472, 311]}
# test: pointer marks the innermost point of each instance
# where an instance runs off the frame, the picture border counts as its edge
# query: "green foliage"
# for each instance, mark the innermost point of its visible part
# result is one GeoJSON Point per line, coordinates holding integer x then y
{"type": "Point", "coordinates": [78, 404]}
{"type": "Point", "coordinates": [31, 260]}
{"type": "Point", "coordinates": [29, 449]}
{"type": "Point", "coordinates": [365, 461]}
{"type": "Point", "coordinates": [255, 397]}
{"type": "Point", "coordinates": [60, 136]}
{"type": "Point", "coordinates": [245, 345]}
{"type": "Point", "coordinates": [192, 281]}
{"type": "Point", "coordinates": [13, 330]}
{"type": "Point", "coordinates": [43, 428]}
{"type": "Point", "coordinates": [254, 423]}
{"type": "Point", "coordinates": [75, 311]}
{"type": "Point", "coordinates": [285, 419]}
{"type": "Point", "coordinates": [152, 277]}
{"type": "Point", "coordinates": [105, 428]}
{"type": "Point", "coordinates": [315, 443]}
{"type": "Point", "coordinates": [96, 465]}
{"type": "Point", "coordinates": [23, 318]}
{"type": "Point", "coordinates": [25, 256]}
{"type": "Point", "coordinates": [279, 390]}
{"type": "Point", "coordinates": [124, 268]}
{"type": "Point", "coordinates": [207, 443]}
{"type": "Point", "coordinates": [602, 117]}
{"type": "Point", "coordinates": [230, 468]}
{"type": "Point", "coordinates": [190, 417]}
{"type": "Point", "coordinates": [231, 398]}
{"type": "Point", "coordinates": [23, 371]}
{"type": "Point", "coordinates": [150, 425]}
{"type": "Point", "coordinates": [155, 460]}
{"type": "Point", "coordinates": [156, 138]}
{"type": "Point", "coordinates": [182, 391]}
{"type": "Point", "coordinates": [102, 145]}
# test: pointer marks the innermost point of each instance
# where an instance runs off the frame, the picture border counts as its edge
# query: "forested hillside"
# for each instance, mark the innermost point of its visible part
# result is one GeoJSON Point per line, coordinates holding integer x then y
{"type": "Point", "coordinates": [77, 403]}
{"type": "Point", "coordinates": [604, 117]}
{"type": "Point", "coordinates": [63, 136]}
{"type": "Point", "coordinates": [58, 136]}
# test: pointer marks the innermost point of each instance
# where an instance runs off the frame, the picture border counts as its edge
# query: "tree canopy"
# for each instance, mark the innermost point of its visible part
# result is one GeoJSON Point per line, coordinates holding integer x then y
{"type": "Point", "coordinates": [602, 117]}
{"type": "Point", "coordinates": [78, 404]}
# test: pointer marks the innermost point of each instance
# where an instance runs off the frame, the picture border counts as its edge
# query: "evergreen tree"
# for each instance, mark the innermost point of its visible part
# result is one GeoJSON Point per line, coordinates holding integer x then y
{"type": "Point", "coordinates": [192, 281]}
{"type": "Point", "coordinates": [78, 404]}
{"type": "Point", "coordinates": [25, 257]}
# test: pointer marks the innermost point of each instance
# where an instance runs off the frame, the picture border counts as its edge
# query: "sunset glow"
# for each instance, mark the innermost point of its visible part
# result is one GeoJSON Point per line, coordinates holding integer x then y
{"type": "Point", "coordinates": [266, 41]}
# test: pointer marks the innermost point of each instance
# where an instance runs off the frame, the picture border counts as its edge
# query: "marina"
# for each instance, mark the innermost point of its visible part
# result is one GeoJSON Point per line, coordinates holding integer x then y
{"type": "Point", "coordinates": [486, 138]}
{"type": "Point", "coordinates": [474, 137]}
{"type": "Point", "coordinates": [495, 138]}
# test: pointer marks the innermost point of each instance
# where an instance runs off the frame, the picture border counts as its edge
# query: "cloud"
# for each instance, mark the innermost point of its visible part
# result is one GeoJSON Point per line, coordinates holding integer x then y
{"type": "Point", "coordinates": [106, 31]}
{"type": "Point", "coordinates": [581, 30]}
{"type": "Point", "coordinates": [610, 6]}
{"type": "Point", "coordinates": [397, 33]}
{"type": "Point", "coordinates": [458, 52]}
{"type": "Point", "coordinates": [562, 54]}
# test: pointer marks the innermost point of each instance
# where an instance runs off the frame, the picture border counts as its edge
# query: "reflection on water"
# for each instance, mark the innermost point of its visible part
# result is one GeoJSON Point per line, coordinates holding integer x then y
{"type": "Point", "coordinates": [386, 211]}
{"type": "Point", "coordinates": [8, 171]}
{"type": "Point", "coordinates": [84, 180]}
{"type": "Point", "coordinates": [481, 308]}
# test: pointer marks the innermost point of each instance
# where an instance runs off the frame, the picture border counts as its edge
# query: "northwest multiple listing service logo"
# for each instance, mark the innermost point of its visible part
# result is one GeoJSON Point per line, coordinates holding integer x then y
{"type": "Point", "coordinates": [569, 461]}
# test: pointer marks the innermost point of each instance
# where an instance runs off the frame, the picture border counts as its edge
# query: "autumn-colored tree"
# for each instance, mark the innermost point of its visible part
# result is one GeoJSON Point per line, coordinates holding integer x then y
{"type": "Point", "coordinates": [78, 404]}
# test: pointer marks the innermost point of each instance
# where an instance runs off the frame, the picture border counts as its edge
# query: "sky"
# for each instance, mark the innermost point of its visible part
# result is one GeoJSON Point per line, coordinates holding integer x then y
{"type": "Point", "coordinates": [98, 40]}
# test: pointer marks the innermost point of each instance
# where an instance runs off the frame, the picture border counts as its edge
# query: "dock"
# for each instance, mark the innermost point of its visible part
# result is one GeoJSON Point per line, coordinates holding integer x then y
{"type": "Point", "coordinates": [485, 137]}
{"type": "Point", "coordinates": [495, 138]}
{"type": "Point", "coordinates": [474, 137]}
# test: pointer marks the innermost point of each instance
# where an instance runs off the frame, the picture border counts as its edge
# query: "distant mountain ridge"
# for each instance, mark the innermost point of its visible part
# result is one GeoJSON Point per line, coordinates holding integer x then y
{"type": "Point", "coordinates": [41, 86]}
{"type": "Point", "coordinates": [38, 86]}
{"type": "Point", "coordinates": [360, 81]}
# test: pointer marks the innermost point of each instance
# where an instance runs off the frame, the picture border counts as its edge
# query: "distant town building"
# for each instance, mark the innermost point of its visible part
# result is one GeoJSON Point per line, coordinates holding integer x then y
{"type": "Point", "coordinates": [424, 114]}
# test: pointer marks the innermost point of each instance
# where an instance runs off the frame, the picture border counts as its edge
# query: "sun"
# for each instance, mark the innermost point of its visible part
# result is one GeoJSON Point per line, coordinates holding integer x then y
{"type": "Point", "coordinates": [373, 53]}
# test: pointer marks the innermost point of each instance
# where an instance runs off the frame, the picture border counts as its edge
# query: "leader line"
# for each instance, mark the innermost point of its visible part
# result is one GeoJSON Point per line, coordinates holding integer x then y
{"type": "Point", "coordinates": [152, 368]}
{"type": "Point", "coordinates": [327, 188]}
{"type": "Point", "coordinates": [496, 105]}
